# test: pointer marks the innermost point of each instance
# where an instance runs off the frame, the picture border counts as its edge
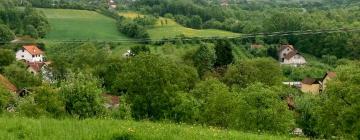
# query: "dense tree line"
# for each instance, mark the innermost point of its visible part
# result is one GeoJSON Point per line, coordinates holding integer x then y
{"type": "Point", "coordinates": [26, 21]}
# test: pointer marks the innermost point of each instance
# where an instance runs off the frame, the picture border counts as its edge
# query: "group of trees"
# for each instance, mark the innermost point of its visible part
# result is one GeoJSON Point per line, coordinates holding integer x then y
{"type": "Point", "coordinates": [135, 28]}
{"type": "Point", "coordinates": [18, 21]}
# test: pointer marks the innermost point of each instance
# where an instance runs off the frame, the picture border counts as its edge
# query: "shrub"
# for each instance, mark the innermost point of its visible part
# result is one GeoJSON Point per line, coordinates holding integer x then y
{"type": "Point", "coordinates": [82, 95]}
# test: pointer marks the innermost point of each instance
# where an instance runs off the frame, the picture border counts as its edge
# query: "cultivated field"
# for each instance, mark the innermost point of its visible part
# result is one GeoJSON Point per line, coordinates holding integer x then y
{"type": "Point", "coordinates": [81, 25]}
{"type": "Point", "coordinates": [91, 129]}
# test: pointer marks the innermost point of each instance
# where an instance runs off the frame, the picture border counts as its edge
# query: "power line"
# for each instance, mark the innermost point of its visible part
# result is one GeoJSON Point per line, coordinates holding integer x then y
{"type": "Point", "coordinates": [241, 36]}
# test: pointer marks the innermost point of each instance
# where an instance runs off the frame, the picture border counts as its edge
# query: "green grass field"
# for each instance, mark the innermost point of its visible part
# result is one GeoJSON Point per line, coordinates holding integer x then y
{"type": "Point", "coordinates": [170, 28]}
{"type": "Point", "coordinates": [13, 128]}
{"type": "Point", "coordinates": [80, 25]}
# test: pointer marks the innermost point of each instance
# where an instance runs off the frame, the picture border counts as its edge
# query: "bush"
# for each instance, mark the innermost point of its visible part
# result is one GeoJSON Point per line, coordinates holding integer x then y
{"type": "Point", "coordinates": [5, 97]}
{"type": "Point", "coordinates": [82, 95]}
{"type": "Point", "coordinates": [260, 108]}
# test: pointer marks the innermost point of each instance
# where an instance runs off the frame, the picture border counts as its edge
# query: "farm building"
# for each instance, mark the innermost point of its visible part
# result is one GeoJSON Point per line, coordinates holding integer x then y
{"type": "Point", "coordinates": [315, 86]}
{"type": "Point", "coordinates": [30, 53]}
{"type": "Point", "coordinates": [288, 55]}
{"type": "Point", "coordinates": [311, 85]}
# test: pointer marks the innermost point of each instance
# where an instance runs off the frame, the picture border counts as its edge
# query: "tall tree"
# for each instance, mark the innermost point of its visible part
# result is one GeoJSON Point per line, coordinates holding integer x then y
{"type": "Point", "coordinates": [224, 55]}
{"type": "Point", "coordinates": [204, 59]}
{"type": "Point", "coordinates": [151, 83]}
{"type": "Point", "coordinates": [6, 35]}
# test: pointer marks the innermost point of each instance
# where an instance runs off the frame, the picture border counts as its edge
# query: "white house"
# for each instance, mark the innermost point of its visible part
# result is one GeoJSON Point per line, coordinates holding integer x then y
{"type": "Point", "coordinates": [30, 53]}
{"type": "Point", "coordinates": [294, 58]}
{"type": "Point", "coordinates": [288, 55]}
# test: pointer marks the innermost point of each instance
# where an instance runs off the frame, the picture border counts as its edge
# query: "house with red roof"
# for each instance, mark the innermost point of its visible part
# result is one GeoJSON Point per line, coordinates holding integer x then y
{"type": "Point", "coordinates": [288, 55]}
{"type": "Point", "coordinates": [30, 53]}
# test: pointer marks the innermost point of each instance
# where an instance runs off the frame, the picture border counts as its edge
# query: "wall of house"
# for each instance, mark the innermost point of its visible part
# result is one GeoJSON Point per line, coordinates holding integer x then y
{"type": "Point", "coordinates": [314, 88]}
{"type": "Point", "coordinates": [283, 53]}
{"type": "Point", "coordinates": [25, 55]}
{"type": "Point", "coordinates": [295, 60]}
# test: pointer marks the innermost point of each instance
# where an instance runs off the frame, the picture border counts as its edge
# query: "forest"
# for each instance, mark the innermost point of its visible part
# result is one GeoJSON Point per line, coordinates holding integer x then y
{"type": "Point", "coordinates": [221, 82]}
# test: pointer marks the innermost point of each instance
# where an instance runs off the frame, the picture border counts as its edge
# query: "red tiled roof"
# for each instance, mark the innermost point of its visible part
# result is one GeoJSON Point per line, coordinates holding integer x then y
{"type": "Point", "coordinates": [310, 81]}
{"type": "Point", "coordinates": [33, 50]}
{"type": "Point", "coordinates": [290, 55]}
{"type": "Point", "coordinates": [35, 65]}
{"type": "Point", "coordinates": [7, 84]}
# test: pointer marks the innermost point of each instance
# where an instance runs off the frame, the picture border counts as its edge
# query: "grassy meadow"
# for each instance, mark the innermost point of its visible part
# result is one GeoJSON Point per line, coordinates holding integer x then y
{"type": "Point", "coordinates": [93, 129]}
{"type": "Point", "coordinates": [80, 25]}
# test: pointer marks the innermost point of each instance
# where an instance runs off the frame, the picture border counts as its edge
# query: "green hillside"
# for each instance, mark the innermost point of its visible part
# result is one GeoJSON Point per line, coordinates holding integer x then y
{"type": "Point", "coordinates": [170, 28]}
{"type": "Point", "coordinates": [91, 129]}
{"type": "Point", "coordinates": [80, 25]}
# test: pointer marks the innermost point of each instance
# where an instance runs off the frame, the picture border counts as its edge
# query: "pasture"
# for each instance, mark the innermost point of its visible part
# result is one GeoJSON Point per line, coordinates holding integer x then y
{"type": "Point", "coordinates": [80, 25]}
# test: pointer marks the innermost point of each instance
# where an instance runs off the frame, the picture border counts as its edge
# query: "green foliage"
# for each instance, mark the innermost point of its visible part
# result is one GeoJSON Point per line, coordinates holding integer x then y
{"type": "Point", "coordinates": [107, 129]}
{"type": "Point", "coordinates": [82, 95]}
{"type": "Point", "coordinates": [204, 59]}
{"type": "Point", "coordinates": [146, 20]}
{"type": "Point", "coordinates": [217, 102]}
{"type": "Point", "coordinates": [5, 97]}
{"type": "Point", "coordinates": [124, 110]}
{"type": "Point", "coordinates": [262, 109]}
{"type": "Point", "coordinates": [224, 55]}
{"type": "Point", "coordinates": [7, 58]}
{"type": "Point", "coordinates": [6, 34]}
{"type": "Point", "coordinates": [140, 49]}
{"type": "Point", "coordinates": [247, 72]}
{"type": "Point", "coordinates": [340, 109]}
{"type": "Point", "coordinates": [19, 76]}
{"type": "Point", "coordinates": [308, 106]}
{"type": "Point", "coordinates": [132, 29]}
{"type": "Point", "coordinates": [187, 108]}
{"type": "Point", "coordinates": [151, 82]}
{"type": "Point", "coordinates": [49, 99]}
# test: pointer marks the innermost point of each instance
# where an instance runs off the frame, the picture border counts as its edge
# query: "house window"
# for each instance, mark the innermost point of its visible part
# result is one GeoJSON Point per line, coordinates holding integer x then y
{"type": "Point", "coordinates": [22, 56]}
{"type": "Point", "coordinates": [33, 56]}
{"type": "Point", "coordinates": [22, 50]}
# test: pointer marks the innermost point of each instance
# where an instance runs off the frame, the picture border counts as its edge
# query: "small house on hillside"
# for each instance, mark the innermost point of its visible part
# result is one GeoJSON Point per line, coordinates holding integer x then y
{"type": "Point", "coordinates": [30, 53]}
{"type": "Point", "coordinates": [315, 86]}
{"type": "Point", "coordinates": [42, 68]}
{"type": "Point", "coordinates": [288, 55]}
{"type": "Point", "coordinates": [311, 85]}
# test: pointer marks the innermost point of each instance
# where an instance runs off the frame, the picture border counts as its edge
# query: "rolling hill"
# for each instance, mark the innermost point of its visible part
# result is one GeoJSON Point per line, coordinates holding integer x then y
{"type": "Point", "coordinates": [170, 28]}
